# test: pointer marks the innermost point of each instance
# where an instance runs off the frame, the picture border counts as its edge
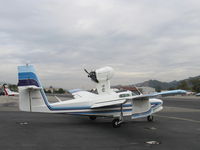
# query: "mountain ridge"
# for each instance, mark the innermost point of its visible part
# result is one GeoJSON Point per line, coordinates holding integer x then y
{"type": "Point", "coordinates": [159, 85]}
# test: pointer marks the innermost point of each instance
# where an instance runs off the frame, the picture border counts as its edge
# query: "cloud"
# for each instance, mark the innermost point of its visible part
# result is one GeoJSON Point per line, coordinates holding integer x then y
{"type": "Point", "coordinates": [141, 39]}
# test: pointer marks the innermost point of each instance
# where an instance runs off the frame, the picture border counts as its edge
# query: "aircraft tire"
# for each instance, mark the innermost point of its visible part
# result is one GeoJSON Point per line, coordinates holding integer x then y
{"type": "Point", "coordinates": [150, 118]}
{"type": "Point", "coordinates": [93, 117]}
{"type": "Point", "coordinates": [116, 123]}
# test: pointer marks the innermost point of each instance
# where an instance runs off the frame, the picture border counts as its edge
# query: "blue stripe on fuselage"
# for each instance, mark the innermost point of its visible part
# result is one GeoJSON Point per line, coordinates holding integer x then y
{"type": "Point", "coordinates": [99, 112]}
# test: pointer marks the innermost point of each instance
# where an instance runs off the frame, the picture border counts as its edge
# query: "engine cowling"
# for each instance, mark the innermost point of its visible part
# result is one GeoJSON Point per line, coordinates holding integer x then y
{"type": "Point", "coordinates": [104, 74]}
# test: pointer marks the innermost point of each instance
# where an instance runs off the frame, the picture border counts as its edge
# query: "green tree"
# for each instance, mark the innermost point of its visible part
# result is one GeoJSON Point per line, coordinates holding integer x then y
{"type": "Point", "coordinates": [183, 85]}
{"type": "Point", "coordinates": [60, 91]}
{"type": "Point", "coordinates": [47, 91]}
{"type": "Point", "coordinates": [13, 87]}
{"type": "Point", "coordinates": [158, 89]}
{"type": "Point", "coordinates": [196, 85]}
{"type": "Point", "coordinates": [171, 88]}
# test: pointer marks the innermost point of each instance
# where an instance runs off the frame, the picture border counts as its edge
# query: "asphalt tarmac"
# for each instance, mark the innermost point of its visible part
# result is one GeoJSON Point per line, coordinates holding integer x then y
{"type": "Point", "coordinates": [176, 127]}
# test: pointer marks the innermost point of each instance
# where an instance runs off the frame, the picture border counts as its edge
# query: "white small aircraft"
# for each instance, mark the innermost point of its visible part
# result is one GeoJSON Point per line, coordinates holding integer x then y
{"type": "Point", "coordinates": [8, 92]}
{"type": "Point", "coordinates": [107, 102]}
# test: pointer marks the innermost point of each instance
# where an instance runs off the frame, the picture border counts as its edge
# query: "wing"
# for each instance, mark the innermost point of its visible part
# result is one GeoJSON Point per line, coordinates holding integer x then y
{"type": "Point", "coordinates": [166, 93]}
{"type": "Point", "coordinates": [172, 92]}
{"type": "Point", "coordinates": [137, 97]}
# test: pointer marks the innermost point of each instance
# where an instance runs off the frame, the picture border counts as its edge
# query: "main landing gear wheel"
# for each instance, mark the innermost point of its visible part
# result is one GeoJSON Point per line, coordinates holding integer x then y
{"type": "Point", "coordinates": [93, 117]}
{"type": "Point", "coordinates": [150, 118]}
{"type": "Point", "coordinates": [116, 123]}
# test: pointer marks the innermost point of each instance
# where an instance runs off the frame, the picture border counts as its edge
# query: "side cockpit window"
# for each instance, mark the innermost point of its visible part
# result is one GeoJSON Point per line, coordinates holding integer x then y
{"type": "Point", "coordinates": [134, 93]}
{"type": "Point", "coordinates": [124, 95]}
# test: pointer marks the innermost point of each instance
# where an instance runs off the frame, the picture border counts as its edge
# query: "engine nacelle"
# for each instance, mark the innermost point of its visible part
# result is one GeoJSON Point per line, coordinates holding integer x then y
{"type": "Point", "coordinates": [104, 74]}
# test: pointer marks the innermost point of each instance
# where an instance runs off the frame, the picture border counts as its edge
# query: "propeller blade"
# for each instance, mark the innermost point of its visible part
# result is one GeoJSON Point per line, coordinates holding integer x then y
{"type": "Point", "coordinates": [86, 71]}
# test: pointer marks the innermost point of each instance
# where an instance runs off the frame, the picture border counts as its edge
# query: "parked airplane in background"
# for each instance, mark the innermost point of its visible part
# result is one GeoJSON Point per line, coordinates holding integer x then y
{"type": "Point", "coordinates": [198, 94]}
{"type": "Point", "coordinates": [8, 92]}
{"type": "Point", "coordinates": [190, 93]}
{"type": "Point", "coordinates": [119, 105]}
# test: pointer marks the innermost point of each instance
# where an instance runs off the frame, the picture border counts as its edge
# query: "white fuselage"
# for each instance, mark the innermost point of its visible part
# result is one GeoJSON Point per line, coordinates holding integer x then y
{"type": "Point", "coordinates": [81, 105]}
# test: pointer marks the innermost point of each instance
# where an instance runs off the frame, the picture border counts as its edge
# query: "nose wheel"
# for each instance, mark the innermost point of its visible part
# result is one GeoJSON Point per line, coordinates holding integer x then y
{"type": "Point", "coordinates": [150, 118]}
{"type": "Point", "coordinates": [116, 123]}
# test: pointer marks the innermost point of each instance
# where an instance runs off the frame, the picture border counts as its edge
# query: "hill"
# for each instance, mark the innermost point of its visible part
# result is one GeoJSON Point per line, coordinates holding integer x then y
{"type": "Point", "coordinates": [191, 83]}
{"type": "Point", "coordinates": [158, 84]}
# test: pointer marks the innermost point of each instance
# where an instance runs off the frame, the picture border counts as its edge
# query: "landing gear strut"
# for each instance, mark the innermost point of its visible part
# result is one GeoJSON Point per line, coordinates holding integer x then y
{"type": "Point", "coordinates": [150, 118]}
{"type": "Point", "coordinates": [116, 123]}
{"type": "Point", "coordinates": [93, 117]}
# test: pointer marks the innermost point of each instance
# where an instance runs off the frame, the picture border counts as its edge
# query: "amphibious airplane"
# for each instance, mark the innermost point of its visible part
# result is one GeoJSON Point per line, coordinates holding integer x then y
{"type": "Point", "coordinates": [8, 92]}
{"type": "Point", "coordinates": [107, 102]}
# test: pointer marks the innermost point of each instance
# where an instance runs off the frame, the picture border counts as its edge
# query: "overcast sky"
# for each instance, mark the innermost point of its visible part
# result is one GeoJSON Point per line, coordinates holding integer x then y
{"type": "Point", "coordinates": [140, 39]}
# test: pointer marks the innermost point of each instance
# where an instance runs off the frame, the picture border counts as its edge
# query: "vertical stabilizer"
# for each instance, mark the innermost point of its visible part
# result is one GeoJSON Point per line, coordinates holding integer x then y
{"type": "Point", "coordinates": [31, 94]}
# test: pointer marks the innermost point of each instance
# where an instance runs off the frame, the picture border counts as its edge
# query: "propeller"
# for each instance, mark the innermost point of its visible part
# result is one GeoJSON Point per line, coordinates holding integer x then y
{"type": "Point", "coordinates": [92, 75]}
{"type": "Point", "coordinates": [86, 71]}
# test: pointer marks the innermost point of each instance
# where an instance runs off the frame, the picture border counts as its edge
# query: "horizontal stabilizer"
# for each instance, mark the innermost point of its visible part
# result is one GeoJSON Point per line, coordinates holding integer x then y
{"type": "Point", "coordinates": [33, 88]}
{"type": "Point", "coordinates": [108, 103]}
